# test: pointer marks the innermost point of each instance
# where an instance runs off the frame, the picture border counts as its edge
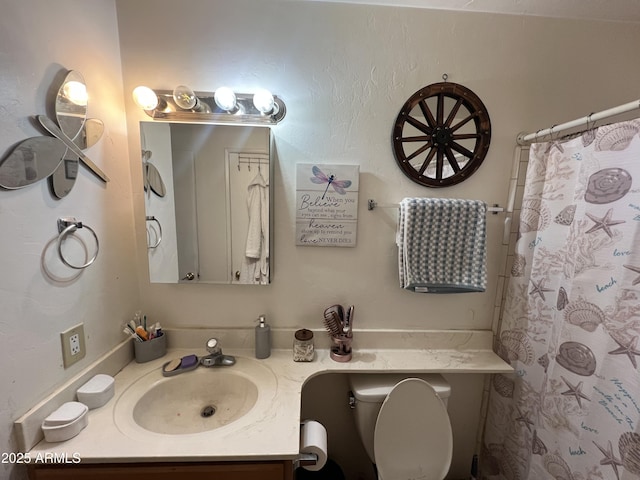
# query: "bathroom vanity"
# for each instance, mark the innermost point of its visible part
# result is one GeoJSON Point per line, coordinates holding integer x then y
{"type": "Point", "coordinates": [276, 470]}
{"type": "Point", "coordinates": [260, 439]}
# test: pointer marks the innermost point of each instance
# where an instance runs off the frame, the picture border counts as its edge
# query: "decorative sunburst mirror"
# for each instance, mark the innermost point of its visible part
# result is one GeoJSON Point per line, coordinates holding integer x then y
{"type": "Point", "coordinates": [441, 135]}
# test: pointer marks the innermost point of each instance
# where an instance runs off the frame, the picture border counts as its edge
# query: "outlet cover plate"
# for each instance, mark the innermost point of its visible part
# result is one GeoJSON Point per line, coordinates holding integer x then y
{"type": "Point", "coordinates": [73, 345]}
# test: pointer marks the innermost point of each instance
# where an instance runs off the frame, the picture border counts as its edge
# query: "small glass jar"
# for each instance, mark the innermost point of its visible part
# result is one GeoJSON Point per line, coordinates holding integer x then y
{"type": "Point", "coordinates": [303, 350]}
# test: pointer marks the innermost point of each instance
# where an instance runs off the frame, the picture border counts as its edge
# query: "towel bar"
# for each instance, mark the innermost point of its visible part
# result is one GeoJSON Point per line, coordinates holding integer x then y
{"type": "Point", "coordinates": [372, 204]}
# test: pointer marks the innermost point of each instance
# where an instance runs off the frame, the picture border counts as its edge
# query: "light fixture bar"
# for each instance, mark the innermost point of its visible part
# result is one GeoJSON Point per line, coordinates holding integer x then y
{"type": "Point", "coordinates": [246, 112]}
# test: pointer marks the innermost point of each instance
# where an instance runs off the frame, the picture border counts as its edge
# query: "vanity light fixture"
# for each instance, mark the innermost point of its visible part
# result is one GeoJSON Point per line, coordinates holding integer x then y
{"type": "Point", "coordinates": [184, 97]}
{"type": "Point", "coordinates": [222, 106]}
{"type": "Point", "coordinates": [187, 99]}
{"type": "Point", "coordinates": [264, 102]}
{"type": "Point", "coordinates": [145, 98]}
{"type": "Point", "coordinates": [226, 100]}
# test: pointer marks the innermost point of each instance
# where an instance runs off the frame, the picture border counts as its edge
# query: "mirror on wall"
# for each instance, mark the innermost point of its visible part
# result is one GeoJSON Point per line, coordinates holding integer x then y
{"type": "Point", "coordinates": [56, 157]}
{"type": "Point", "coordinates": [212, 223]}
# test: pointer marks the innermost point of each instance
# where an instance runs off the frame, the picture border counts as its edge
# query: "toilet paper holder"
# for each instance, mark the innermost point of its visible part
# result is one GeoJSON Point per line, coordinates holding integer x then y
{"type": "Point", "coordinates": [312, 454]}
{"type": "Point", "coordinates": [305, 460]}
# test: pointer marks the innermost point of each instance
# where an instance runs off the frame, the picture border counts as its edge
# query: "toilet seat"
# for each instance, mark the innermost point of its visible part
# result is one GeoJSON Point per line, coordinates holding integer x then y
{"type": "Point", "coordinates": [413, 437]}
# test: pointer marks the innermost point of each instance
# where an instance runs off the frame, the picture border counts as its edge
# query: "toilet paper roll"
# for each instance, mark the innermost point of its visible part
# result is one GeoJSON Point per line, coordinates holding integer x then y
{"type": "Point", "coordinates": [313, 439]}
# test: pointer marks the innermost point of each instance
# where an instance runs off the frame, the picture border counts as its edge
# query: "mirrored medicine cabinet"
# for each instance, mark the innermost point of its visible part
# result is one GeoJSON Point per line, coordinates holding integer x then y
{"type": "Point", "coordinates": [208, 200]}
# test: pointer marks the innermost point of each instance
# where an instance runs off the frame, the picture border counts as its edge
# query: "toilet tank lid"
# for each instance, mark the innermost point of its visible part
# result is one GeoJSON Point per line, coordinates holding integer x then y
{"type": "Point", "coordinates": [374, 387]}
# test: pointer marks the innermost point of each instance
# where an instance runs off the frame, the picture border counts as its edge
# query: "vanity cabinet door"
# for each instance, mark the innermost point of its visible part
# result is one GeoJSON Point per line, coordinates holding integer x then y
{"type": "Point", "coordinates": [282, 470]}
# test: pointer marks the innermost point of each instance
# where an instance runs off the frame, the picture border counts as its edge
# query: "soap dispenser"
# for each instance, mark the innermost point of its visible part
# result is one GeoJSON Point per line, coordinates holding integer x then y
{"type": "Point", "coordinates": [263, 338]}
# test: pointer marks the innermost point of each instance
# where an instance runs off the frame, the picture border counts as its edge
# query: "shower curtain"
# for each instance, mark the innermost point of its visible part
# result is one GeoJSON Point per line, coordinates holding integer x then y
{"type": "Point", "coordinates": [571, 319]}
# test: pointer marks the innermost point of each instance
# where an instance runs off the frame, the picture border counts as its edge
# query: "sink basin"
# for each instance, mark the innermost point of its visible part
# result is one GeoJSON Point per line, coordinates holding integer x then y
{"type": "Point", "coordinates": [195, 402]}
{"type": "Point", "coordinates": [182, 405]}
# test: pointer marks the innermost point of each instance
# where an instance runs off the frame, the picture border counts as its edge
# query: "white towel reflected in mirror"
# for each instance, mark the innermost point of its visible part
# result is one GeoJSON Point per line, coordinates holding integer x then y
{"type": "Point", "coordinates": [255, 265]}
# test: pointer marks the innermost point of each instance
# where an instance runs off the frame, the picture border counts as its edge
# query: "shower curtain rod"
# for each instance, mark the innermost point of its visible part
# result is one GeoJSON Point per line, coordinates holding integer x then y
{"type": "Point", "coordinates": [525, 139]}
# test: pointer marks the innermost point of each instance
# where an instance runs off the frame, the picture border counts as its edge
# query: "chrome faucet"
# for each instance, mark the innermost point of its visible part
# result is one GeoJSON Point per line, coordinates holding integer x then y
{"type": "Point", "coordinates": [215, 357]}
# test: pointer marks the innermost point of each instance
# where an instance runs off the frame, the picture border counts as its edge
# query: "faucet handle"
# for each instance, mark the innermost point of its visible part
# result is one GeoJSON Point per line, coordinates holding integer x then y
{"type": "Point", "coordinates": [213, 346]}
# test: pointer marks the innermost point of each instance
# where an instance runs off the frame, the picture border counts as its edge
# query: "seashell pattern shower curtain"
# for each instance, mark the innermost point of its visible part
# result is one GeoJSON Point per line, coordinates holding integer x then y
{"type": "Point", "coordinates": [571, 320]}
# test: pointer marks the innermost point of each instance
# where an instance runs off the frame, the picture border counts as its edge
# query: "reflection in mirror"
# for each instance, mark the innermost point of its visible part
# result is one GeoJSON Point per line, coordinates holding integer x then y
{"type": "Point", "coordinates": [37, 158]}
{"type": "Point", "coordinates": [90, 133]}
{"type": "Point", "coordinates": [216, 211]}
{"type": "Point", "coordinates": [71, 104]}
{"type": "Point", "coordinates": [64, 177]}
{"type": "Point", "coordinates": [30, 161]}
{"type": "Point", "coordinates": [71, 114]}
{"type": "Point", "coordinates": [153, 180]}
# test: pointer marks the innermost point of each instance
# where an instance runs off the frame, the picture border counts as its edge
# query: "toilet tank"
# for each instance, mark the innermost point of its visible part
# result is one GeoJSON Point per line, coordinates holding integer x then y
{"type": "Point", "coordinates": [370, 390]}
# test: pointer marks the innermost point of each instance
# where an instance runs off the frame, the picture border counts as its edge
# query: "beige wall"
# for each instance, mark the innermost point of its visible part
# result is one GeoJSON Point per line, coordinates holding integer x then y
{"type": "Point", "coordinates": [40, 39]}
{"type": "Point", "coordinates": [344, 71]}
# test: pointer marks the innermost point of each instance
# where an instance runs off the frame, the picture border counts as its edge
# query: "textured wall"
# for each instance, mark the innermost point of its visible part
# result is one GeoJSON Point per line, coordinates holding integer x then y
{"type": "Point", "coordinates": [38, 40]}
{"type": "Point", "coordinates": [344, 71]}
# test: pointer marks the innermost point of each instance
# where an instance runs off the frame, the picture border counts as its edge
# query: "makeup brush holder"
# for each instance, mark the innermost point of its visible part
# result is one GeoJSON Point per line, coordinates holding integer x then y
{"type": "Point", "coordinates": [341, 348]}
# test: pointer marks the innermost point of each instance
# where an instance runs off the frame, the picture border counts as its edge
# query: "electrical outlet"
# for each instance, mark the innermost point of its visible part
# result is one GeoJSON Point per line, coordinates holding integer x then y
{"type": "Point", "coordinates": [73, 347]}
{"type": "Point", "coordinates": [74, 341]}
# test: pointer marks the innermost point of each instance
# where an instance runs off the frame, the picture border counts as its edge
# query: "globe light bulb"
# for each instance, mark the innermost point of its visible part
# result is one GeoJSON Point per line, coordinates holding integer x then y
{"type": "Point", "coordinates": [225, 99]}
{"type": "Point", "coordinates": [184, 97]}
{"type": "Point", "coordinates": [145, 98]}
{"type": "Point", "coordinates": [263, 101]}
{"type": "Point", "coordinates": [76, 92]}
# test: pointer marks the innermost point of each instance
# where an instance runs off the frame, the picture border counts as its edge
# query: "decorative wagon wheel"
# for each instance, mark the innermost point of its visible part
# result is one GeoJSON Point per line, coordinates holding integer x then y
{"type": "Point", "coordinates": [441, 135]}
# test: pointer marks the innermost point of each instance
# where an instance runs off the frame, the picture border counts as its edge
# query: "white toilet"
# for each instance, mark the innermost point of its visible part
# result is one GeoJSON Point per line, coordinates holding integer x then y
{"type": "Point", "coordinates": [403, 423]}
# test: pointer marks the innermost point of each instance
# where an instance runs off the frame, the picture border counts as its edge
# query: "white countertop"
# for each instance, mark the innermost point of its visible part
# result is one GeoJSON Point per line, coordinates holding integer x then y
{"type": "Point", "coordinates": [268, 432]}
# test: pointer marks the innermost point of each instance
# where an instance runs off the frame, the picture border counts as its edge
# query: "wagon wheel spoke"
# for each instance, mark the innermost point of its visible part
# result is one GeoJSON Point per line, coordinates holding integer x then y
{"type": "Point", "coordinates": [452, 160]}
{"type": "Point", "coordinates": [419, 138]}
{"type": "Point", "coordinates": [460, 149]}
{"type": "Point", "coordinates": [465, 136]}
{"type": "Point", "coordinates": [426, 111]}
{"type": "Point", "coordinates": [421, 150]}
{"type": "Point", "coordinates": [427, 161]}
{"type": "Point", "coordinates": [453, 113]}
{"type": "Point", "coordinates": [463, 122]}
{"type": "Point", "coordinates": [419, 125]}
{"type": "Point", "coordinates": [439, 165]}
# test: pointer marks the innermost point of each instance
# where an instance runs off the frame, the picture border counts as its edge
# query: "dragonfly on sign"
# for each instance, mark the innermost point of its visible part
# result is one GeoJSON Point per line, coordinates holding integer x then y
{"type": "Point", "coordinates": [338, 185]}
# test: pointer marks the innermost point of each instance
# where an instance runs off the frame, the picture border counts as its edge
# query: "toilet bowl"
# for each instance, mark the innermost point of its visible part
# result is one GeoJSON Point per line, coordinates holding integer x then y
{"type": "Point", "coordinates": [403, 424]}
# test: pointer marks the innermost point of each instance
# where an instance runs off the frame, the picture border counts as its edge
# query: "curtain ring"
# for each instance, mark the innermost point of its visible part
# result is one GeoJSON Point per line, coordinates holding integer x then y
{"type": "Point", "coordinates": [590, 121]}
{"type": "Point", "coordinates": [536, 135]}
{"type": "Point", "coordinates": [68, 226]}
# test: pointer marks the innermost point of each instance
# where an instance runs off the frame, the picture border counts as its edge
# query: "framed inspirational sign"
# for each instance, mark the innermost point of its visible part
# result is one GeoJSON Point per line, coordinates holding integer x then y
{"type": "Point", "coordinates": [326, 205]}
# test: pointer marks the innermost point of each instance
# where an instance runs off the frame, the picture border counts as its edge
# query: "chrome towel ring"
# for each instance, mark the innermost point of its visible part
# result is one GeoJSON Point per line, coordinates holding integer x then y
{"type": "Point", "coordinates": [158, 234]}
{"type": "Point", "coordinates": [67, 226]}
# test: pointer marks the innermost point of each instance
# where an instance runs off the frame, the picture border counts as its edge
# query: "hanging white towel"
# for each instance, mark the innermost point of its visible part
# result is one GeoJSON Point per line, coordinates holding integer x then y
{"type": "Point", "coordinates": [255, 268]}
{"type": "Point", "coordinates": [442, 245]}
